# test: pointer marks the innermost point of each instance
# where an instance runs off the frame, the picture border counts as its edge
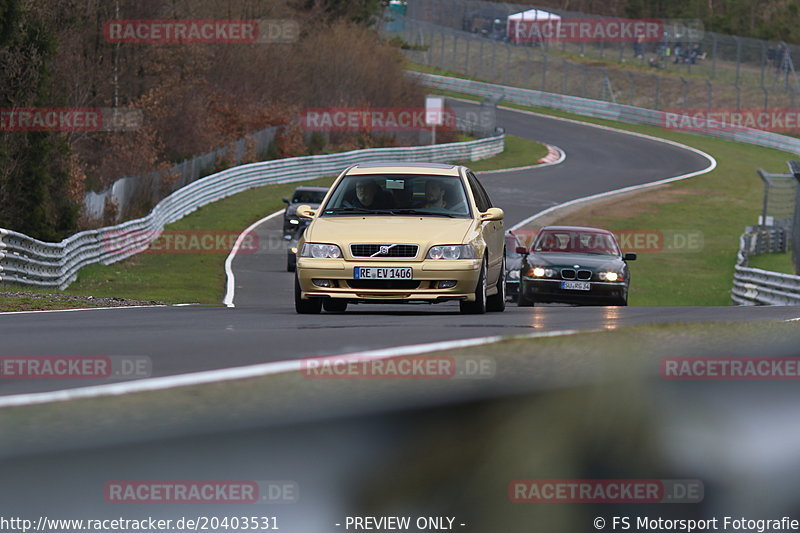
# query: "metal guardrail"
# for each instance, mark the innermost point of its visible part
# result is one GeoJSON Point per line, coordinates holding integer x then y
{"type": "Point", "coordinates": [28, 261]}
{"type": "Point", "coordinates": [751, 286]}
{"type": "Point", "coordinates": [600, 109]}
{"type": "Point", "coordinates": [754, 286]}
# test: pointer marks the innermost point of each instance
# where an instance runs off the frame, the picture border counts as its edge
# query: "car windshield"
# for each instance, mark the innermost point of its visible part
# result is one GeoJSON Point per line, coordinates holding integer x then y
{"type": "Point", "coordinates": [308, 197]}
{"type": "Point", "coordinates": [417, 195]}
{"type": "Point", "coordinates": [580, 242]}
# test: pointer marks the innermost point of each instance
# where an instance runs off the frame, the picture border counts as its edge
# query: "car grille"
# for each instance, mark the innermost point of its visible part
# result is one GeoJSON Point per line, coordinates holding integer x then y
{"type": "Point", "coordinates": [374, 250]}
{"type": "Point", "coordinates": [567, 273]}
{"type": "Point", "coordinates": [584, 275]}
{"type": "Point", "coordinates": [404, 284]}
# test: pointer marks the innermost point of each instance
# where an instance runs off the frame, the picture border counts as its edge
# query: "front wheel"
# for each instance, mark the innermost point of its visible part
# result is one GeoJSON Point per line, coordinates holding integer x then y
{"type": "Point", "coordinates": [478, 307]}
{"type": "Point", "coordinates": [497, 303]}
{"type": "Point", "coordinates": [312, 306]}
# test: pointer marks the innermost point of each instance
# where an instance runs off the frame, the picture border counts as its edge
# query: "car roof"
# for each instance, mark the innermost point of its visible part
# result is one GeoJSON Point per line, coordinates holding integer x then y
{"type": "Point", "coordinates": [403, 167]}
{"type": "Point", "coordinates": [576, 228]}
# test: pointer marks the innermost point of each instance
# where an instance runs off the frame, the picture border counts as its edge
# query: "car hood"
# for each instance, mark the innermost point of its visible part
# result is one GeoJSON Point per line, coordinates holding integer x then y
{"type": "Point", "coordinates": [588, 261]}
{"type": "Point", "coordinates": [424, 231]}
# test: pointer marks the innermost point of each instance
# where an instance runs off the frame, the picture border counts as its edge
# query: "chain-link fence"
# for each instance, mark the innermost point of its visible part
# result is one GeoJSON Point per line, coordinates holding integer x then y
{"type": "Point", "coordinates": [709, 71]}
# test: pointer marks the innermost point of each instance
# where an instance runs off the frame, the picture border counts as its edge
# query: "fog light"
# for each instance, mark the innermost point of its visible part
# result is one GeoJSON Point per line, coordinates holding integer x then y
{"type": "Point", "coordinates": [447, 284]}
{"type": "Point", "coordinates": [322, 282]}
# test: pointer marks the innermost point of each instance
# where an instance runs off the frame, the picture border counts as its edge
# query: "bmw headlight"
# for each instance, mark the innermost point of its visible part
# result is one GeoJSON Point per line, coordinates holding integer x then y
{"type": "Point", "coordinates": [321, 251]}
{"type": "Point", "coordinates": [610, 276]}
{"type": "Point", "coordinates": [540, 272]}
{"type": "Point", "coordinates": [513, 275]}
{"type": "Point", "coordinates": [455, 251]}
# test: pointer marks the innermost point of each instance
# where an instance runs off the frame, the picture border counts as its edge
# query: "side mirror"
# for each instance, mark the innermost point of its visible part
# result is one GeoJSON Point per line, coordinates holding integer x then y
{"type": "Point", "coordinates": [305, 211]}
{"type": "Point", "coordinates": [521, 250]}
{"type": "Point", "coordinates": [286, 201]}
{"type": "Point", "coordinates": [629, 257]}
{"type": "Point", "coordinates": [493, 213]}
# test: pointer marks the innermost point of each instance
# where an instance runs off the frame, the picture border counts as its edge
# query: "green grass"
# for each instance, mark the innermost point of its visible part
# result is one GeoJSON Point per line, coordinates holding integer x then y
{"type": "Point", "coordinates": [774, 262]}
{"type": "Point", "coordinates": [719, 204]}
{"type": "Point", "coordinates": [200, 278]}
{"type": "Point", "coordinates": [518, 153]}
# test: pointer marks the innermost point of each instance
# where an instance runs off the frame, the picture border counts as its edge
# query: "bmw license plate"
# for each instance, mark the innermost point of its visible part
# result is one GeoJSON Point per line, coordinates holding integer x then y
{"type": "Point", "coordinates": [576, 285]}
{"type": "Point", "coordinates": [382, 273]}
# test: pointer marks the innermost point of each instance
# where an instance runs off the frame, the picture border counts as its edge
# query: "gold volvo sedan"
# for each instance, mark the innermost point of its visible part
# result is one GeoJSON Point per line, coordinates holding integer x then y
{"type": "Point", "coordinates": [401, 232]}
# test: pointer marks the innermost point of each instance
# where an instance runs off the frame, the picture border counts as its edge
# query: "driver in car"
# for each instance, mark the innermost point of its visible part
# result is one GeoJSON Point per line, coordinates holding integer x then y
{"type": "Point", "coordinates": [369, 195]}
{"type": "Point", "coordinates": [435, 194]}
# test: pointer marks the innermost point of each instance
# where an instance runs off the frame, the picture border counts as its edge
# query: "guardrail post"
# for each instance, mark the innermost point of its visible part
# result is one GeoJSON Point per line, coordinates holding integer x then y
{"type": "Point", "coordinates": [794, 168]}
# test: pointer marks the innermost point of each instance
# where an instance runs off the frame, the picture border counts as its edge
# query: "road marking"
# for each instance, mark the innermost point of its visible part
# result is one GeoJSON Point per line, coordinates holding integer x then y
{"type": "Point", "coordinates": [712, 162]}
{"type": "Point", "coordinates": [711, 166]}
{"type": "Point", "coordinates": [558, 152]}
{"type": "Point", "coordinates": [3, 313]}
{"type": "Point", "coordinates": [230, 289]}
{"type": "Point", "coordinates": [257, 370]}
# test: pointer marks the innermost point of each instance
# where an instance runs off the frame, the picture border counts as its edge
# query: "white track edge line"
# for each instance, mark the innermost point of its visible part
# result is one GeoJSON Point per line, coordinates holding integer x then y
{"type": "Point", "coordinates": [3, 313]}
{"type": "Point", "coordinates": [230, 285]}
{"type": "Point", "coordinates": [253, 371]}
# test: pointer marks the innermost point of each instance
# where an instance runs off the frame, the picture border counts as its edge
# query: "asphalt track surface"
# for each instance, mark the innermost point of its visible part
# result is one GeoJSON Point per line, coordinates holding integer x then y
{"type": "Point", "coordinates": [263, 326]}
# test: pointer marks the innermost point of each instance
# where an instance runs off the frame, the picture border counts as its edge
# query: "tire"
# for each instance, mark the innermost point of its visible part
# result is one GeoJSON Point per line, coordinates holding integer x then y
{"type": "Point", "coordinates": [497, 303]}
{"type": "Point", "coordinates": [311, 306]}
{"type": "Point", "coordinates": [478, 307]}
{"type": "Point", "coordinates": [334, 306]}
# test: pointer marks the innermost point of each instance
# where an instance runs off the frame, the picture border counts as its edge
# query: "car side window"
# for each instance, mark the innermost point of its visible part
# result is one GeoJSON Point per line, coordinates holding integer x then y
{"type": "Point", "coordinates": [481, 198]}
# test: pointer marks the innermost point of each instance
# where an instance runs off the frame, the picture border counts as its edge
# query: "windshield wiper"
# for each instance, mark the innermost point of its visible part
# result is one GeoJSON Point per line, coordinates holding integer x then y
{"type": "Point", "coordinates": [421, 212]}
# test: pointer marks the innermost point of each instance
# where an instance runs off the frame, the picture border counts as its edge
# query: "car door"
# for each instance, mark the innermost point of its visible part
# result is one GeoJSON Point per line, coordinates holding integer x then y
{"type": "Point", "coordinates": [493, 233]}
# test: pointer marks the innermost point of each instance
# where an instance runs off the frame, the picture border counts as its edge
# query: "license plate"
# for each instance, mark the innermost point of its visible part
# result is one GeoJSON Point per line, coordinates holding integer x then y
{"type": "Point", "coordinates": [382, 273]}
{"type": "Point", "coordinates": [576, 285]}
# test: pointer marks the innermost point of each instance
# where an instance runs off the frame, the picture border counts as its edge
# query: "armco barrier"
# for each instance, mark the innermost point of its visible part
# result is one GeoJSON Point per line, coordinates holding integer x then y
{"type": "Point", "coordinates": [751, 286]}
{"type": "Point", "coordinates": [29, 261]}
{"type": "Point", "coordinates": [598, 109]}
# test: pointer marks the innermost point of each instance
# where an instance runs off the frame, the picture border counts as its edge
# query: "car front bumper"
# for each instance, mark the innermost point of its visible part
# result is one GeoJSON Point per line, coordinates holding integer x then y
{"type": "Point", "coordinates": [423, 287]}
{"type": "Point", "coordinates": [550, 291]}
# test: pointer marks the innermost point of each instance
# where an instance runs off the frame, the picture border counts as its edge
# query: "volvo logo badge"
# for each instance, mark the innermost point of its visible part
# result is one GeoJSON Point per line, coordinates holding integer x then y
{"type": "Point", "coordinates": [384, 250]}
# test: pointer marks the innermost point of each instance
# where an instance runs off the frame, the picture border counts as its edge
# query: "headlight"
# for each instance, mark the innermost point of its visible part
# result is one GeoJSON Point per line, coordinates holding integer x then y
{"type": "Point", "coordinates": [540, 272]}
{"type": "Point", "coordinates": [513, 274]}
{"type": "Point", "coordinates": [456, 251]}
{"type": "Point", "coordinates": [610, 276]}
{"type": "Point", "coordinates": [294, 221]}
{"type": "Point", "coordinates": [323, 251]}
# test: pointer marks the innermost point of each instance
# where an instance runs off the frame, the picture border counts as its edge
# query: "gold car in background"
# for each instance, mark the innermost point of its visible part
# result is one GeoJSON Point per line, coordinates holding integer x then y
{"type": "Point", "coordinates": [399, 233]}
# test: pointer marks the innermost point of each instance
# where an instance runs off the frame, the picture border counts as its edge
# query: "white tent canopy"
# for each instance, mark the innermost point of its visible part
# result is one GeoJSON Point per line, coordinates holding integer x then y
{"type": "Point", "coordinates": [534, 14]}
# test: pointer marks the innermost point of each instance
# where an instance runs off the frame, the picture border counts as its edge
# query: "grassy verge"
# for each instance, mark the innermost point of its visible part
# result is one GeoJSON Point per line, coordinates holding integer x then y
{"type": "Point", "coordinates": [200, 278]}
{"type": "Point", "coordinates": [718, 205]}
{"type": "Point", "coordinates": [775, 262]}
